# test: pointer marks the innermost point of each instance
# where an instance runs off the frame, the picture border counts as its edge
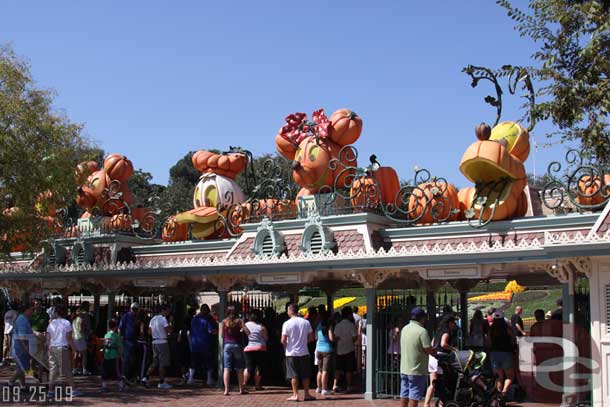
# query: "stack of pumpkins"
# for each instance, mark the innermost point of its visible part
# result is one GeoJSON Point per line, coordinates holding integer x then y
{"type": "Point", "coordinates": [105, 191]}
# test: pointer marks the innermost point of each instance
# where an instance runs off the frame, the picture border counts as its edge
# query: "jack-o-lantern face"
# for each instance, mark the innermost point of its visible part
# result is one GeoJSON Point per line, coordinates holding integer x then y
{"type": "Point", "coordinates": [216, 191]}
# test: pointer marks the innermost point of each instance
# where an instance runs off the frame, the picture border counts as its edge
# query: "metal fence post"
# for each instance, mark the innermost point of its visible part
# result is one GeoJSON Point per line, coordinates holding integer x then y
{"type": "Point", "coordinates": [371, 311]}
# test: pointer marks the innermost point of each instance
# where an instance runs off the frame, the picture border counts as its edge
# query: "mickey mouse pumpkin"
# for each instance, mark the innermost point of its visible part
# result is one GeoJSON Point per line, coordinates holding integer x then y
{"type": "Point", "coordinates": [312, 144]}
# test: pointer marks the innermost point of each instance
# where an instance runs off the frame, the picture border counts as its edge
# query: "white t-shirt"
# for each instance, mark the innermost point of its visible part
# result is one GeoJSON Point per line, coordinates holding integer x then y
{"type": "Point", "coordinates": [9, 319]}
{"type": "Point", "coordinates": [345, 331]}
{"type": "Point", "coordinates": [357, 319]}
{"type": "Point", "coordinates": [58, 331]}
{"type": "Point", "coordinates": [157, 325]}
{"type": "Point", "coordinates": [297, 330]}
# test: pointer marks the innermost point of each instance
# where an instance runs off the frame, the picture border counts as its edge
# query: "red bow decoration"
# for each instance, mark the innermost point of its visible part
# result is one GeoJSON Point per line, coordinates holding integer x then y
{"type": "Point", "coordinates": [298, 127]}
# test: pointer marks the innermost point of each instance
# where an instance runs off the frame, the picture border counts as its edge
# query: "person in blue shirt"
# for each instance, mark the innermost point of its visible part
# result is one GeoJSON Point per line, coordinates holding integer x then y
{"type": "Point", "coordinates": [22, 337]}
{"type": "Point", "coordinates": [324, 352]}
{"type": "Point", "coordinates": [201, 341]}
{"type": "Point", "coordinates": [128, 328]}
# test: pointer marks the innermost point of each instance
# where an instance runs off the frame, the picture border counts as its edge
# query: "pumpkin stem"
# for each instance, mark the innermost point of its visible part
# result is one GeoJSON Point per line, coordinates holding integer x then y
{"type": "Point", "coordinates": [352, 115]}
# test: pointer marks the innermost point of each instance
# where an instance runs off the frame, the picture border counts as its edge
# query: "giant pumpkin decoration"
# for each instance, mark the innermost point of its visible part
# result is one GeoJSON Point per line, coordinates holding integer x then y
{"type": "Point", "coordinates": [378, 186]}
{"type": "Point", "coordinates": [102, 186]}
{"type": "Point", "coordinates": [312, 144]}
{"type": "Point", "coordinates": [215, 192]}
{"type": "Point", "coordinates": [495, 166]}
{"type": "Point", "coordinates": [174, 231]}
{"type": "Point", "coordinates": [589, 191]}
{"type": "Point", "coordinates": [434, 201]}
{"type": "Point", "coordinates": [118, 167]}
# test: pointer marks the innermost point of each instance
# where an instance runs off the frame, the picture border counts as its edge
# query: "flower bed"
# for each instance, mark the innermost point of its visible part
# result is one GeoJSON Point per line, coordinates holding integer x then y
{"type": "Point", "coordinates": [497, 296]}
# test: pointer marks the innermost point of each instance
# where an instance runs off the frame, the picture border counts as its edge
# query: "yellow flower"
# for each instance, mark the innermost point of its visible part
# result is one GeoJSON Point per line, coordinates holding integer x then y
{"type": "Point", "coordinates": [514, 287]}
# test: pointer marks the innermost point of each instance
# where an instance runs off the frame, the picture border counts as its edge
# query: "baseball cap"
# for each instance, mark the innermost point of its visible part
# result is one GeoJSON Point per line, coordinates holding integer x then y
{"type": "Point", "coordinates": [418, 312]}
{"type": "Point", "coordinates": [499, 314]}
{"type": "Point", "coordinates": [135, 305]}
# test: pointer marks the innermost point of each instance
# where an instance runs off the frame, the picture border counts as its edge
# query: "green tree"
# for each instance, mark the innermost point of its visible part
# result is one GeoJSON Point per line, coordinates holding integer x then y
{"type": "Point", "coordinates": [143, 190]}
{"type": "Point", "coordinates": [39, 150]}
{"type": "Point", "coordinates": [573, 67]}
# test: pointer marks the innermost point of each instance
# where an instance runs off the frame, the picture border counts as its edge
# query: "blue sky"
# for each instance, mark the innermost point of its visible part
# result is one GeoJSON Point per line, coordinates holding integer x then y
{"type": "Point", "coordinates": [155, 79]}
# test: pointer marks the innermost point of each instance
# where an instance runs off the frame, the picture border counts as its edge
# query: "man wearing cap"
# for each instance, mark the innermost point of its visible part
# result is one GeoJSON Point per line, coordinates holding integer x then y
{"type": "Point", "coordinates": [128, 331]}
{"type": "Point", "coordinates": [415, 347]}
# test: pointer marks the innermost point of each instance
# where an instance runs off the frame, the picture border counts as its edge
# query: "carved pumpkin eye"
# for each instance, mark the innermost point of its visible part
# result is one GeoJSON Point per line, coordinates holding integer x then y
{"type": "Point", "coordinates": [297, 156]}
{"type": "Point", "coordinates": [313, 152]}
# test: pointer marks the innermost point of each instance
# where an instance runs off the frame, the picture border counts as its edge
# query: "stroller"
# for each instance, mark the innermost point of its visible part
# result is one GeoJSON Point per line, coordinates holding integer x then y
{"type": "Point", "coordinates": [466, 381]}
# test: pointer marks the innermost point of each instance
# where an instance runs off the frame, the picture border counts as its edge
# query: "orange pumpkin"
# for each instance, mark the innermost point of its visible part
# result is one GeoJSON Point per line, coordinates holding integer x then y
{"type": "Point", "coordinates": [174, 231]}
{"type": "Point", "coordinates": [589, 193]}
{"type": "Point", "coordinates": [345, 127]}
{"type": "Point", "coordinates": [382, 183]}
{"type": "Point", "coordinates": [118, 167]}
{"type": "Point", "coordinates": [508, 207]}
{"type": "Point", "coordinates": [437, 196]}
{"type": "Point", "coordinates": [228, 165]}
{"type": "Point", "coordinates": [86, 168]}
{"type": "Point", "coordinates": [120, 222]}
{"type": "Point", "coordinates": [144, 217]}
{"type": "Point", "coordinates": [91, 193]}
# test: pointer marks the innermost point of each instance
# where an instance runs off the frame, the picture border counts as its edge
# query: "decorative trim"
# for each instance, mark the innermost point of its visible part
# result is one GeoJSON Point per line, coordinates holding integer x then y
{"type": "Point", "coordinates": [314, 225]}
{"type": "Point", "coordinates": [582, 265]}
{"type": "Point", "coordinates": [264, 231]}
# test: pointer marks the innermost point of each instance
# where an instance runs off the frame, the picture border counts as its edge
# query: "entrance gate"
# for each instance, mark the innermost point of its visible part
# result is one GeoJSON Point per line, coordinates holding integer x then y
{"type": "Point", "coordinates": [393, 312]}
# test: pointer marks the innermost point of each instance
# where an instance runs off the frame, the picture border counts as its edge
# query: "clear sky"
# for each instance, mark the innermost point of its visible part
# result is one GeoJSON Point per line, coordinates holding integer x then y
{"type": "Point", "coordinates": [155, 79]}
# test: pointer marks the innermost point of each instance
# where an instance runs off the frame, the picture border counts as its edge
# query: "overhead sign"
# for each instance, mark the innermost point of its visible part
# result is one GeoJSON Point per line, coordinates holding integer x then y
{"type": "Point", "coordinates": [279, 278]}
{"type": "Point", "coordinates": [451, 273]}
{"type": "Point", "coordinates": [151, 282]}
{"type": "Point", "coordinates": [53, 283]}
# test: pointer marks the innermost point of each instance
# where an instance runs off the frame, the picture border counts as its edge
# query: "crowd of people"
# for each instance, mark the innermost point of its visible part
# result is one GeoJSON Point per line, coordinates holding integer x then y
{"type": "Point", "coordinates": [321, 350]}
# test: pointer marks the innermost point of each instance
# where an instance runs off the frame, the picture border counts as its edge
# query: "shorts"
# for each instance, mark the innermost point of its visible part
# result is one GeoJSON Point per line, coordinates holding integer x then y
{"type": "Point", "coordinates": [347, 362]}
{"type": "Point", "coordinates": [80, 345]}
{"type": "Point", "coordinates": [255, 361]}
{"type": "Point", "coordinates": [325, 361]}
{"type": "Point", "coordinates": [233, 357]}
{"type": "Point", "coordinates": [161, 356]}
{"type": "Point", "coordinates": [60, 365]}
{"type": "Point", "coordinates": [433, 366]}
{"type": "Point", "coordinates": [501, 360]}
{"type": "Point", "coordinates": [298, 367]}
{"type": "Point", "coordinates": [111, 369]}
{"type": "Point", "coordinates": [413, 387]}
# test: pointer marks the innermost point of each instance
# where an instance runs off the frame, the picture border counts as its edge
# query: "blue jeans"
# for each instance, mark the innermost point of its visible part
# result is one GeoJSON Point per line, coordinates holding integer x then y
{"type": "Point", "coordinates": [129, 349]}
{"type": "Point", "coordinates": [233, 356]}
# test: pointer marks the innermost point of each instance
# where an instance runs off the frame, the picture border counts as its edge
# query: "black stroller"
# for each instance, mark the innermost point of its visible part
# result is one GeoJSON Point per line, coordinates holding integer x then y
{"type": "Point", "coordinates": [466, 381]}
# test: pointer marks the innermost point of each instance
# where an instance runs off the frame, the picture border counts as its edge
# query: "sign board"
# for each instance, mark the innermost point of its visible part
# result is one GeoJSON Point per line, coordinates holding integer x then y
{"type": "Point", "coordinates": [279, 278]}
{"type": "Point", "coordinates": [54, 283]}
{"type": "Point", "coordinates": [452, 273]}
{"type": "Point", "coordinates": [151, 282]}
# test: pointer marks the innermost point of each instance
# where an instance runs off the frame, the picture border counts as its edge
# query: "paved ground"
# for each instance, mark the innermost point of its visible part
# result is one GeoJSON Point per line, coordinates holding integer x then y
{"type": "Point", "coordinates": [190, 396]}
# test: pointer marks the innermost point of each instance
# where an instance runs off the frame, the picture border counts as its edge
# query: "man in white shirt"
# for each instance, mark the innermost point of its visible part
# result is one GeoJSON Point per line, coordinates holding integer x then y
{"type": "Point", "coordinates": [9, 319]}
{"type": "Point", "coordinates": [346, 336]}
{"type": "Point", "coordinates": [158, 329]}
{"type": "Point", "coordinates": [296, 334]}
{"type": "Point", "coordinates": [59, 342]}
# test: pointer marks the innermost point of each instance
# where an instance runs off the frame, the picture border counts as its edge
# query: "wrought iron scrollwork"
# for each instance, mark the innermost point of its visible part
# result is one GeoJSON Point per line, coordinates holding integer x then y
{"type": "Point", "coordinates": [582, 185]}
{"type": "Point", "coordinates": [516, 75]}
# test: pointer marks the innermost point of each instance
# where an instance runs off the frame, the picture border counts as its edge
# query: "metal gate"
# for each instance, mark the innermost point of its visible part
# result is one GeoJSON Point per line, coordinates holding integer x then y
{"type": "Point", "coordinates": [393, 312]}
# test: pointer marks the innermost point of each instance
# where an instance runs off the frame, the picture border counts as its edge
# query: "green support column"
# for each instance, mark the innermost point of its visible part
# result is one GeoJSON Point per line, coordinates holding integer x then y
{"type": "Point", "coordinates": [371, 311]}
{"type": "Point", "coordinates": [96, 312]}
{"type": "Point", "coordinates": [431, 308]}
{"type": "Point", "coordinates": [111, 305]}
{"type": "Point", "coordinates": [222, 307]}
